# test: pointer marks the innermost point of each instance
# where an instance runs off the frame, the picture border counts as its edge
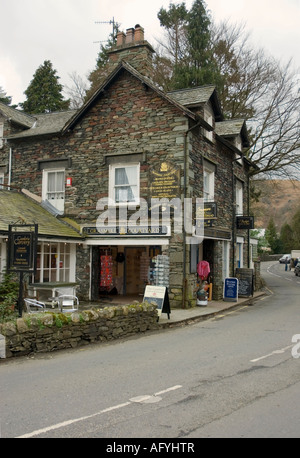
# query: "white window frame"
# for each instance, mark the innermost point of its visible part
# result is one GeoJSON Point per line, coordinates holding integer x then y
{"type": "Point", "coordinates": [240, 241]}
{"type": "Point", "coordinates": [1, 134]}
{"type": "Point", "coordinates": [239, 196]}
{"type": "Point", "coordinates": [1, 179]}
{"type": "Point", "coordinates": [2, 257]}
{"type": "Point", "coordinates": [208, 181]}
{"type": "Point", "coordinates": [63, 269]}
{"type": "Point", "coordinates": [209, 118]}
{"type": "Point", "coordinates": [58, 203]}
{"type": "Point", "coordinates": [112, 185]}
{"type": "Point", "coordinates": [226, 251]}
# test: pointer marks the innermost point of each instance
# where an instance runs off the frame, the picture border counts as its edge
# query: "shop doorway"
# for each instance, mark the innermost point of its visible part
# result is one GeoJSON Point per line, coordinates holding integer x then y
{"type": "Point", "coordinates": [120, 270]}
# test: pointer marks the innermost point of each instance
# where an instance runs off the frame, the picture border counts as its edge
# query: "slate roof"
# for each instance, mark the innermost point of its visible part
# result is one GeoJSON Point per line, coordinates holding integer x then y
{"type": "Point", "coordinates": [195, 97]}
{"type": "Point", "coordinates": [45, 124]}
{"type": "Point", "coordinates": [232, 128]}
{"type": "Point", "coordinates": [16, 116]}
{"type": "Point", "coordinates": [123, 65]}
{"type": "Point", "coordinates": [15, 206]}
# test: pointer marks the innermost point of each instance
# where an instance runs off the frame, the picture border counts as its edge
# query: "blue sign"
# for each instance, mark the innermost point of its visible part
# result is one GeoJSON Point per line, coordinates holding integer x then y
{"type": "Point", "coordinates": [231, 289]}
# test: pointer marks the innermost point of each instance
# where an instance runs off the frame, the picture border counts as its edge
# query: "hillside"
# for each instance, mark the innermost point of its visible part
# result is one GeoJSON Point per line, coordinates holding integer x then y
{"type": "Point", "coordinates": [280, 199]}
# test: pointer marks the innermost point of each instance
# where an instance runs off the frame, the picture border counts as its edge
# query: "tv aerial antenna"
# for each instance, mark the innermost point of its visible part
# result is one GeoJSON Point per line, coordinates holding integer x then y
{"type": "Point", "coordinates": [114, 31]}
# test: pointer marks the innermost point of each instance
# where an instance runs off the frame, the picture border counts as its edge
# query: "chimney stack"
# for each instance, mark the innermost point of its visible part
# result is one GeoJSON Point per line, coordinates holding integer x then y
{"type": "Point", "coordinates": [129, 36]}
{"type": "Point", "coordinates": [138, 33]}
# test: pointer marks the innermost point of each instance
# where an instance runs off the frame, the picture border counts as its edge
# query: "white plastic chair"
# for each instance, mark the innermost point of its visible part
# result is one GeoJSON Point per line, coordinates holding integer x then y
{"type": "Point", "coordinates": [34, 304]}
{"type": "Point", "coordinates": [68, 303]}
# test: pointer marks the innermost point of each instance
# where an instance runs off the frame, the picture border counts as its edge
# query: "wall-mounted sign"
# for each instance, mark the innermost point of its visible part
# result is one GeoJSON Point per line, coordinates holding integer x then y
{"type": "Point", "coordinates": [125, 231]}
{"type": "Point", "coordinates": [208, 212]}
{"type": "Point", "coordinates": [245, 222]}
{"type": "Point", "coordinates": [69, 182]}
{"type": "Point", "coordinates": [165, 181]}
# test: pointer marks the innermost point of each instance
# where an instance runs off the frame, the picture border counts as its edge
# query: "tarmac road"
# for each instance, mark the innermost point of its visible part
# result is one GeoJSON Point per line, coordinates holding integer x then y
{"type": "Point", "coordinates": [230, 376]}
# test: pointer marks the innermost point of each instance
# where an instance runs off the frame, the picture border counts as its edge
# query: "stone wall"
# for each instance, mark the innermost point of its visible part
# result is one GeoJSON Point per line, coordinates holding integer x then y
{"type": "Point", "coordinates": [48, 332]}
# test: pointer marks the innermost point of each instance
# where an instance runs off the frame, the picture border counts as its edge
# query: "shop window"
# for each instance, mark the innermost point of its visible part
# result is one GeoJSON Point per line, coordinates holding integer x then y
{"type": "Point", "coordinates": [208, 181]}
{"type": "Point", "coordinates": [54, 188]}
{"type": "Point", "coordinates": [54, 261]}
{"type": "Point", "coordinates": [124, 183]}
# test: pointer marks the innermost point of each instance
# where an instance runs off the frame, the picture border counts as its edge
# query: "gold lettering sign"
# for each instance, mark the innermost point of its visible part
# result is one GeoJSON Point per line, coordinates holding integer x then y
{"type": "Point", "coordinates": [165, 181]}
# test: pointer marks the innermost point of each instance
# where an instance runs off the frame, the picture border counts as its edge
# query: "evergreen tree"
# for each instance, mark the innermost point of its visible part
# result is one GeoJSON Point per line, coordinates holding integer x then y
{"type": "Point", "coordinates": [5, 98]}
{"type": "Point", "coordinates": [286, 237]}
{"type": "Point", "coordinates": [189, 45]}
{"type": "Point", "coordinates": [272, 238]}
{"type": "Point", "coordinates": [44, 94]}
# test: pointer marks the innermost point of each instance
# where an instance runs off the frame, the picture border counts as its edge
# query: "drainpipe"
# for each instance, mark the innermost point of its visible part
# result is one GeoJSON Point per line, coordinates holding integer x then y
{"type": "Point", "coordinates": [185, 195]}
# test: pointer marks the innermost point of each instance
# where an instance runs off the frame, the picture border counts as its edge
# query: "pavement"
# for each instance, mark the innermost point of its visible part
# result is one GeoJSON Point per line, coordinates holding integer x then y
{"type": "Point", "coordinates": [179, 317]}
{"type": "Point", "coordinates": [200, 313]}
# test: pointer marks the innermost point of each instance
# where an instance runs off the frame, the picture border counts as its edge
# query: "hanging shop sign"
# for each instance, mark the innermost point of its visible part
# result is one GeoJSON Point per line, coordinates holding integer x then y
{"type": "Point", "coordinates": [159, 295]}
{"type": "Point", "coordinates": [22, 248]}
{"type": "Point", "coordinates": [22, 253]}
{"type": "Point", "coordinates": [245, 222]}
{"type": "Point", "coordinates": [125, 231]}
{"type": "Point", "coordinates": [231, 290]}
{"type": "Point", "coordinates": [165, 181]}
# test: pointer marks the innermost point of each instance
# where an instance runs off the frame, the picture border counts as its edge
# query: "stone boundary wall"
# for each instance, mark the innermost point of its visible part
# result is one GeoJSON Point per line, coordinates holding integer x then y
{"type": "Point", "coordinates": [48, 332]}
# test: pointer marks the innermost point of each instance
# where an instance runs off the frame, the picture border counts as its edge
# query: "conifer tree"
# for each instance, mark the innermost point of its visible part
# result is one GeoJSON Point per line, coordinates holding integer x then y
{"type": "Point", "coordinates": [44, 94]}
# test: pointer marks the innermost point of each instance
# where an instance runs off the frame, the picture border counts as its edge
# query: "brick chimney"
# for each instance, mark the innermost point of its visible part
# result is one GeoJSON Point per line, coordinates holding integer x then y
{"type": "Point", "coordinates": [134, 49]}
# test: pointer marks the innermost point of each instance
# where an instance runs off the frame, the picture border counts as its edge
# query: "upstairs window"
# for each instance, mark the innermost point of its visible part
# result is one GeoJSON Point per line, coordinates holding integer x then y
{"type": "Point", "coordinates": [208, 181]}
{"type": "Point", "coordinates": [124, 183]}
{"type": "Point", "coordinates": [54, 188]}
{"type": "Point", "coordinates": [239, 198]}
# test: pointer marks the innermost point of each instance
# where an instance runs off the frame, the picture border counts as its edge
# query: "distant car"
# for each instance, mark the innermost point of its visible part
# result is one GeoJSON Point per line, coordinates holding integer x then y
{"type": "Point", "coordinates": [297, 268]}
{"type": "Point", "coordinates": [285, 258]}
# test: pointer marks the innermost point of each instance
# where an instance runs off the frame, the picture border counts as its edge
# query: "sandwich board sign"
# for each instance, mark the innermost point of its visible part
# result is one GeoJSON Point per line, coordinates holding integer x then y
{"type": "Point", "coordinates": [231, 290]}
{"type": "Point", "coordinates": [159, 295]}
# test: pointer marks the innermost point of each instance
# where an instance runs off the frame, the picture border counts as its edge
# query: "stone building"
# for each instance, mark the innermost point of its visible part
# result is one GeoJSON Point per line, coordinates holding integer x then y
{"type": "Point", "coordinates": [130, 143]}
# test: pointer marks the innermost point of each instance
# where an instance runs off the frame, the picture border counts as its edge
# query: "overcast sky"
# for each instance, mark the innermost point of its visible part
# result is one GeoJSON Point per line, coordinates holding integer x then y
{"type": "Point", "coordinates": [65, 32]}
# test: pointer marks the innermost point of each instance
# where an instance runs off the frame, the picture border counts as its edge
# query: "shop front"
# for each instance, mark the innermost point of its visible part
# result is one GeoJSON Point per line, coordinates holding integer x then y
{"type": "Point", "coordinates": [124, 266]}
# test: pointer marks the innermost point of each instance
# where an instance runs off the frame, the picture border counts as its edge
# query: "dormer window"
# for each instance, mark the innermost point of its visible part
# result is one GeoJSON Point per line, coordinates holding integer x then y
{"type": "Point", "coordinates": [208, 117]}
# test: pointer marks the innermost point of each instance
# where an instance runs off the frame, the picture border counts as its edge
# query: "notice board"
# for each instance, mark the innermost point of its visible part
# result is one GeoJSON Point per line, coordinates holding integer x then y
{"type": "Point", "coordinates": [231, 290]}
{"type": "Point", "coordinates": [159, 295]}
{"type": "Point", "coordinates": [246, 282]}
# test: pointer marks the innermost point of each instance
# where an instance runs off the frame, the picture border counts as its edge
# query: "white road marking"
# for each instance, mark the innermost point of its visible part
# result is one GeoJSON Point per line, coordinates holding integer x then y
{"type": "Point", "coordinates": [140, 399]}
{"type": "Point", "coordinates": [275, 352]}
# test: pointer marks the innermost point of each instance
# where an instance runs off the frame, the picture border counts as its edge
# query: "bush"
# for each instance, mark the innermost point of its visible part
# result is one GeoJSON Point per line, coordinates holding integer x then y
{"type": "Point", "coordinates": [9, 291]}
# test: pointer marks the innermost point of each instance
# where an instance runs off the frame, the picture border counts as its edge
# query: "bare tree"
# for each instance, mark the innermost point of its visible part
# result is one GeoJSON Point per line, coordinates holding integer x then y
{"type": "Point", "coordinates": [76, 93]}
{"type": "Point", "coordinates": [265, 92]}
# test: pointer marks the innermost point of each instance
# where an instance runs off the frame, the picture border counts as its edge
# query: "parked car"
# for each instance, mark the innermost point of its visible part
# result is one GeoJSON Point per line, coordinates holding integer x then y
{"type": "Point", "coordinates": [285, 257]}
{"type": "Point", "coordinates": [297, 268]}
